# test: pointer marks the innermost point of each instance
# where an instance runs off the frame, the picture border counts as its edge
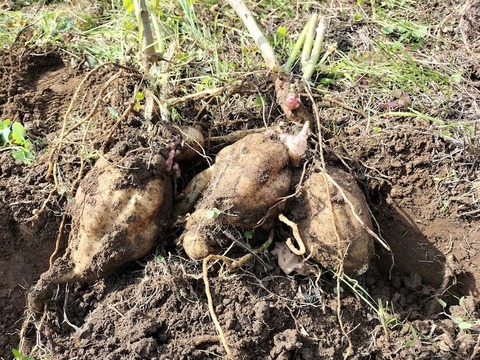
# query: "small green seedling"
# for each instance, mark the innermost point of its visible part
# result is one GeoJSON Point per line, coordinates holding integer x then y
{"type": "Point", "coordinates": [18, 355]}
{"type": "Point", "coordinates": [213, 213]}
{"type": "Point", "coordinates": [13, 137]}
{"type": "Point", "coordinates": [463, 324]}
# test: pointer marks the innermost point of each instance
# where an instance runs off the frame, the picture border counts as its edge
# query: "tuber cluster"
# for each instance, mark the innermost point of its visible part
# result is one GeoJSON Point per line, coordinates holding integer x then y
{"type": "Point", "coordinates": [118, 214]}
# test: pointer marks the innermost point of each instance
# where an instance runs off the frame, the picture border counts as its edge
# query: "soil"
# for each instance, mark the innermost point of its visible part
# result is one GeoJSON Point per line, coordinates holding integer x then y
{"type": "Point", "coordinates": [156, 308]}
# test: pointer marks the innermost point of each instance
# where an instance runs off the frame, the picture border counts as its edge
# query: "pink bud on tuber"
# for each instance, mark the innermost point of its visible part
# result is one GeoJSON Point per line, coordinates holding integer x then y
{"type": "Point", "coordinates": [291, 101]}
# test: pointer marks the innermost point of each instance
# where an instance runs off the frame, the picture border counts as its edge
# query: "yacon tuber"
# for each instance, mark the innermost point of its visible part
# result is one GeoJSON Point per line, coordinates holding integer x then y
{"type": "Point", "coordinates": [117, 216]}
{"type": "Point", "coordinates": [332, 221]}
{"type": "Point", "coordinates": [245, 185]}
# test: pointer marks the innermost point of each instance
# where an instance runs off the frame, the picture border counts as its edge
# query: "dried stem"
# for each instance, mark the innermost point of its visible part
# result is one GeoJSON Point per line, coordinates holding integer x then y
{"type": "Point", "coordinates": [149, 54]}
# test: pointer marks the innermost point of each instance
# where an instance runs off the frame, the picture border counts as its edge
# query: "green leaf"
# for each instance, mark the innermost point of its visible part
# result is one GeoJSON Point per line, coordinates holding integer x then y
{"type": "Point", "coordinates": [248, 234]}
{"type": "Point", "coordinates": [139, 96]}
{"type": "Point", "coordinates": [281, 31]}
{"type": "Point", "coordinates": [128, 6]}
{"type": "Point", "coordinates": [260, 101]}
{"type": "Point", "coordinates": [465, 325]}
{"type": "Point", "coordinates": [5, 134]}
{"type": "Point", "coordinates": [457, 78]}
{"type": "Point", "coordinates": [357, 17]}
{"type": "Point", "coordinates": [22, 155]}
{"type": "Point", "coordinates": [17, 354]}
{"type": "Point", "coordinates": [18, 133]}
{"type": "Point", "coordinates": [387, 30]}
{"type": "Point", "coordinates": [5, 123]}
{"type": "Point", "coordinates": [213, 213]}
{"type": "Point", "coordinates": [327, 81]}
{"type": "Point", "coordinates": [420, 33]}
{"type": "Point", "coordinates": [113, 113]}
{"type": "Point", "coordinates": [442, 303]}
{"type": "Point", "coordinates": [335, 290]}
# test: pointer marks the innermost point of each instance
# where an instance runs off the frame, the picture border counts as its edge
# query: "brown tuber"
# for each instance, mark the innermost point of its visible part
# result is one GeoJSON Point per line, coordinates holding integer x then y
{"type": "Point", "coordinates": [331, 232]}
{"type": "Point", "coordinates": [245, 186]}
{"type": "Point", "coordinates": [117, 217]}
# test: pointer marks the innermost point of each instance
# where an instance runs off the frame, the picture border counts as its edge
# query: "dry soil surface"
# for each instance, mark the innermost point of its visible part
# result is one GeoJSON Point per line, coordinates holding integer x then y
{"type": "Point", "coordinates": [156, 308]}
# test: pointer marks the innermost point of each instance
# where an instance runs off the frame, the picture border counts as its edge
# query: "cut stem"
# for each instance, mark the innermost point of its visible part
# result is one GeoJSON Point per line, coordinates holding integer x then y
{"type": "Point", "coordinates": [296, 50]}
{"type": "Point", "coordinates": [312, 62]}
{"type": "Point", "coordinates": [310, 36]}
{"type": "Point", "coordinates": [260, 39]}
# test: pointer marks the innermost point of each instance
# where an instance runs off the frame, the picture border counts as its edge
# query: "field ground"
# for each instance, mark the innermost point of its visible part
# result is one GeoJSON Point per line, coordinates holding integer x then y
{"type": "Point", "coordinates": [398, 102]}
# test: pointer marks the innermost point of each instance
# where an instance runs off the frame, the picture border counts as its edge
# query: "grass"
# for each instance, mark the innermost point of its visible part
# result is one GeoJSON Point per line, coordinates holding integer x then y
{"type": "Point", "coordinates": [82, 30]}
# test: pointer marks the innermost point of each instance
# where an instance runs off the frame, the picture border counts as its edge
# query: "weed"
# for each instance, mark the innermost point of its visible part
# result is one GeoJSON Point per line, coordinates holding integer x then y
{"type": "Point", "coordinates": [465, 322]}
{"type": "Point", "coordinates": [18, 355]}
{"type": "Point", "coordinates": [13, 137]}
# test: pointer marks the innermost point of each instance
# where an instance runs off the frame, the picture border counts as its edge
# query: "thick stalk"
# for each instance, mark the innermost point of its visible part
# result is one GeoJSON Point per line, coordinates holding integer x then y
{"type": "Point", "coordinates": [310, 36]}
{"type": "Point", "coordinates": [296, 50]}
{"type": "Point", "coordinates": [282, 81]}
{"type": "Point", "coordinates": [148, 47]}
{"type": "Point", "coordinates": [260, 39]}
{"type": "Point", "coordinates": [317, 48]}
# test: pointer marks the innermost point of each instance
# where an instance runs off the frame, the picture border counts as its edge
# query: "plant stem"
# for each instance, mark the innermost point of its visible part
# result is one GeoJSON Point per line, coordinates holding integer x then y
{"type": "Point", "coordinates": [261, 40]}
{"type": "Point", "coordinates": [148, 48]}
{"type": "Point", "coordinates": [310, 36]}
{"type": "Point", "coordinates": [282, 81]}
{"type": "Point", "coordinates": [296, 49]}
{"type": "Point", "coordinates": [312, 62]}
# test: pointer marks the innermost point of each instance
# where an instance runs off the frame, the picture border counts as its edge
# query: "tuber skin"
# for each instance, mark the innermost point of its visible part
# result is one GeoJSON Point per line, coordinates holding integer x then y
{"type": "Point", "coordinates": [329, 216]}
{"type": "Point", "coordinates": [114, 221]}
{"type": "Point", "coordinates": [245, 184]}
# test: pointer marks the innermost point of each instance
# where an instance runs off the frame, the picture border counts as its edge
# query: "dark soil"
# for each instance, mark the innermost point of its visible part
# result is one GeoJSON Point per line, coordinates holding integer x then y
{"type": "Point", "coordinates": [156, 308]}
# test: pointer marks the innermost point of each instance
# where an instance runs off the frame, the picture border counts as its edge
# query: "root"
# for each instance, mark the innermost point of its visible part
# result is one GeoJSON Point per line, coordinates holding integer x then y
{"type": "Point", "coordinates": [228, 262]}
{"type": "Point", "coordinates": [357, 217]}
{"type": "Point", "coordinates": [349, 351]}
{"type": "Point", "coordinates": [301, 246]}
{"type": "Point", "coordinates": [57, 242]}
{"type": "Point", "coordinates": [230, 266]}
{"type": "Point", "coordinates": [30, 319]}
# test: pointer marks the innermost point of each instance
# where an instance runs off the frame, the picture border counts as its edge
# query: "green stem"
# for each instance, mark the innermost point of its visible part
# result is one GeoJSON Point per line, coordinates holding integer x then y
{"type": "Point", "coordinates": [296, 49]}
{"type": "Point", "coordinates": [158, 33]}
{"type": "Point", "coordinates": [310, 35]}
{"type": "Point", "coordinates": [317, 48]}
